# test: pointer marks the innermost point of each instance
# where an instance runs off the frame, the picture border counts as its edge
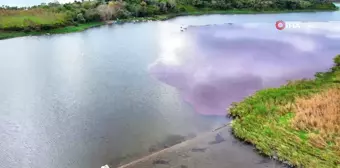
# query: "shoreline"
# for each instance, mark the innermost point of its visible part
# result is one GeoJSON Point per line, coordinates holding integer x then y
{"type": "Point", "coordinates": [251, 137]}
{"type": "Point", "coordinates": [275, 122]}
{"type": "Point", "coordinates": [82, 27]}
{"type": "Point", "coordinates": [63, 30]}
{"type": "Point", "coordinates": [205, 151]}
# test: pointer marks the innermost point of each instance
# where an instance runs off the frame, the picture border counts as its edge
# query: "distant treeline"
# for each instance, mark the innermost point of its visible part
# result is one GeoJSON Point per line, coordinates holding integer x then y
{"type": "Point", "coordinates": [53, 15]}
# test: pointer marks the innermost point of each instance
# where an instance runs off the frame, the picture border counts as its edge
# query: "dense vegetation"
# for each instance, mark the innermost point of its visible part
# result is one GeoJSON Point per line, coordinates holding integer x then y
{"type": "Point", "coordinates": [298, 122]}
{"type": "Point", "coordinates": [53, 15]}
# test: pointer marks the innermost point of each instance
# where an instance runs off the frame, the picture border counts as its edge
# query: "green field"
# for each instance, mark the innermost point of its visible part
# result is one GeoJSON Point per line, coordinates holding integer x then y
{"type": "Point", "coordinates": [25, 21]}
{"type": "Point", "coordinates": [31, 20]}
{"type": "Point", "coordinates": [298, 122]}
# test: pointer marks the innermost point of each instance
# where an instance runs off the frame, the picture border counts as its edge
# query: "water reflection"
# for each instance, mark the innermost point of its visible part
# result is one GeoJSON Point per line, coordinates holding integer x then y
{"type": "Point", "coordinates": [85, 99]}
{"type": "Point", "coordinates": [213, 66]}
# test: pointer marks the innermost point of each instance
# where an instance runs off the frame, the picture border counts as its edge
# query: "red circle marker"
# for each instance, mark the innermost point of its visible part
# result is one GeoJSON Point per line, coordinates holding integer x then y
{"type": "Point", "coordinates": [280, 25]}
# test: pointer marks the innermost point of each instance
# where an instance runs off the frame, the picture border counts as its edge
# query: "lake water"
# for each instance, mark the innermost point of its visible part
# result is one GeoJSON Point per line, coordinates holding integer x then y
{"type": "Point", "coordinates": [110, 93]}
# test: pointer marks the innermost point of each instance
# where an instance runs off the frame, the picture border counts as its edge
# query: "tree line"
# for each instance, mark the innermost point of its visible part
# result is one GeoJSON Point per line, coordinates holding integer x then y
{"type": "Point", "coordinates": [102, 10]}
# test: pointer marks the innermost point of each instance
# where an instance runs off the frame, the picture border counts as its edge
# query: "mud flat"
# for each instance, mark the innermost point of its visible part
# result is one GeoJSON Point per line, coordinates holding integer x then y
{"type": "Point", "coordinates": [215, 149]}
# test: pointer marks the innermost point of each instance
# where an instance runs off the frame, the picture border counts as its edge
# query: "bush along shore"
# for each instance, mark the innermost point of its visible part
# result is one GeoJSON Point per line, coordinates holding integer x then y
{"type": "Point", "coordinates": [77, 16]}
{"type": "Point", "coordinates": [298, 123]}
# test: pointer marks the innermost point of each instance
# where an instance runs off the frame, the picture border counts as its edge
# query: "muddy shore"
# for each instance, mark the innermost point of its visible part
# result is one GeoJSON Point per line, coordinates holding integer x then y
{"type": "Point", "coordinates": [215, 149]}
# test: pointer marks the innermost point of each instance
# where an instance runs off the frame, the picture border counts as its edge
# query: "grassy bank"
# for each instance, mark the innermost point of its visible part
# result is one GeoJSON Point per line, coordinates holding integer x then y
{"type": "Point", "coordinates": [81, 27]}
{"type": "Point", "coordinates": [67, 29]}
{"type": "Point", "coordinates": [298, 122]}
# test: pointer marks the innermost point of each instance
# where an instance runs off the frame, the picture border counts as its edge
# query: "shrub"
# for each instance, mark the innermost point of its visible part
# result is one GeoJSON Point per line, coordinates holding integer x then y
{"type": "Point", "coordinates": [337, 60]}
{"type": "Point", "coordinates": [197, 3]}
{"type": "Point", "coordinates": [104, 12]}
{"type": "Point", "coordinates": [80, 18]}
{"type": "Point", "coordinates": [153, 10]}
{"type": "Point", "coordinates": [163, 7]}
{"type": "Point", "coordinates": [135, 9]}
{"type": "Point", "coordinates": [171, 4]}
{"type": "Point", "coordinates": [92, 15]}
{"type": "Point", "coordinates": [123, 13]}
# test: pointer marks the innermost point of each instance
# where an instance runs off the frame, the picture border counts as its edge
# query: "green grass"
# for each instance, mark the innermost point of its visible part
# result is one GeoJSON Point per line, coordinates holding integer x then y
{"type": "Point", "coordinates": [67, 29]}
{"type": "Point", "coordinates": [23, 21]}
{"type": "Point", "coordinates": [33, 19]}
{"type": "Point", "coordinates": [265, 120]}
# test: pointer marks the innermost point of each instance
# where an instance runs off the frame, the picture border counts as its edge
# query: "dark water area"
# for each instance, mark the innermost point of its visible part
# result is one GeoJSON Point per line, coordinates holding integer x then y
{"type": "Point", "coordinates": [118, 92]}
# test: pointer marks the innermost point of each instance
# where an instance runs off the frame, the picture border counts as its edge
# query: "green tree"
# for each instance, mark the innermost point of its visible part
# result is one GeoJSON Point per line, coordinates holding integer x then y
{"type": "Point", "coordinates": [80, 18]}
{"type": "Point", "coordinates": [92, 15]}
{"type": "Point", "coordinates": [105, 12]}
{"type": "Point", "coordinates": [163, 7]}
{"type": "Point", "coordinates": [197, 3]}
{"type": "Point", "coordinates": [171, 4]}
{"type": "Point", "coordinates": [153, 10]}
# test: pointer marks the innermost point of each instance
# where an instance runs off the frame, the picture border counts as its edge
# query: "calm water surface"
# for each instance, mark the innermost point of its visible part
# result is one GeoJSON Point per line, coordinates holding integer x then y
{"type": "Point", "coordinates": [82, 100]}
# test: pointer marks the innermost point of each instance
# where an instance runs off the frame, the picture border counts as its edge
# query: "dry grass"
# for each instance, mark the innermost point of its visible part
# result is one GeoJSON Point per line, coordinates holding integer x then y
{"type": "Point", "coordinates": [319, 114]}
